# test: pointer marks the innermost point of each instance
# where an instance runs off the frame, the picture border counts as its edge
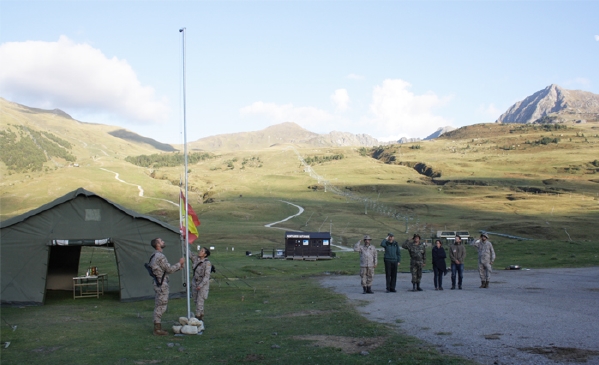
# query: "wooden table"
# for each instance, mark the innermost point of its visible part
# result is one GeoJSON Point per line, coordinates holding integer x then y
{"type": "Point", "coordinates": [89, 286]}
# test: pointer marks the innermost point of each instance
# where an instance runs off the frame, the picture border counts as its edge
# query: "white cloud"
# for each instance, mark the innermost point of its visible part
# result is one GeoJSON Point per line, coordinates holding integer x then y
{"type": "Point", "coordinates": [396, 111]}
{"type": "Point", "coordinates": [73, 76]}
{"type": "Point", "coordinates": [340, 99]}
{"type": "Point", "coordinates": [307, 117]}
{"type": "Point", "coordinates": [489, 111]}
{"type": "Point", "coordinates": [355, 77]}
{"type": "Point", "coordinates": [578, 82]}
{"type": "Point", "coordinates": [597, 38]}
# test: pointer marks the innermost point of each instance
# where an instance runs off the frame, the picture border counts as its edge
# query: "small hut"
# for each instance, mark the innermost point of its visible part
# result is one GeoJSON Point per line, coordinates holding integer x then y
{"type": "Point", "coordinates": [308, 245]}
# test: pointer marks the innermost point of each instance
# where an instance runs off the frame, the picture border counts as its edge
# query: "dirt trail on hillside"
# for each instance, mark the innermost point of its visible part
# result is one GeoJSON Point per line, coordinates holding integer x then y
{"type": "Point", "coordinates": [301, 210]}
{"type": "Point", "coordinates": [141, 190]}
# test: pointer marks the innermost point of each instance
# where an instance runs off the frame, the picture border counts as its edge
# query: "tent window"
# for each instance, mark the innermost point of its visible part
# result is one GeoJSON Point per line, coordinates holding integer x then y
{"type": "Point", "coordinates": [84, 242]}
{"type": "Point", "coordinates": [93, 215]}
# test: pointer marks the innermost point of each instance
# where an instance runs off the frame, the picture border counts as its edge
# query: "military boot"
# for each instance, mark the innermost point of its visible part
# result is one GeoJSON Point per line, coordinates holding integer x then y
{"type": "Point", "coordinates": [418, 287]}
{"type": "Point", "coordinates": [200, 317]}
{"type": "Point", "coordinates": [158, 330]}
{"type": "Point", "coordinates": [413, 286]}
{"type": "Point", "coordinates": [482, 284]}
{"type": "Point", "coordinates": [369, 290]}
{"type": "Point", "coordinates": [364, 288]}
{"type": "Point", "coordinates": [486, 284]}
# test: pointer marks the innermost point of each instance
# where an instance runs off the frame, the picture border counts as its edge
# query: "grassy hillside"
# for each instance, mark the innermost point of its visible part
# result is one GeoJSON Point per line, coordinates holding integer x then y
{"type": "Point", "coordinates": [500, 178]}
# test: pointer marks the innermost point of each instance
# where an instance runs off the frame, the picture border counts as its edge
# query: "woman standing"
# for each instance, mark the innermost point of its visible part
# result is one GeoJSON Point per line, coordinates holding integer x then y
{"type": "Point", "coordinates": [439, 266]}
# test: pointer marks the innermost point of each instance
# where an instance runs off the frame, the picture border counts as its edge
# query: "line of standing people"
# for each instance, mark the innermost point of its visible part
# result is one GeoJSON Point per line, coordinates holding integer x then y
{"type": "Point", "coordinates": [417, 251]}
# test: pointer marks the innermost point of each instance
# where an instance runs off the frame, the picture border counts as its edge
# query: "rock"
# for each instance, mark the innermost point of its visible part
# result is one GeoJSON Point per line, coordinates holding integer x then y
{"type": "Point", "coordinates": [170, 344]}
{"type": "Point", "coordinates": [201, 326]}
{"type": "Point", "coordinates": [189, 330]}
{"type": "Point", "coordinates": [275, 347]}
{"type": "Point", "coordinates": [177, 329]}
{"type": "Point", "coordinates": [183, 320]}
{"type": "Point", "coordinates": [408, 140]}
{"type": "Point", "coordinates": [194, 322]}
{"type": "Point", "coordinates": [364, 353]}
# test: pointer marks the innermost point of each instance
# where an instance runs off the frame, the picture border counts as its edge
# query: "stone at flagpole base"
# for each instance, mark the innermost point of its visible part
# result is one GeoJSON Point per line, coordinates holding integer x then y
{"type": "Point", "coordinates": [191, 326]}
{"type": "Point", "coordinates": [189, 330]}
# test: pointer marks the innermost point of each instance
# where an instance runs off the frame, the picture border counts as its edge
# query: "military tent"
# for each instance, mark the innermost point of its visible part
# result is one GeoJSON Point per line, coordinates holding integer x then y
{"type": "Point", "coordinates": [40, 249]}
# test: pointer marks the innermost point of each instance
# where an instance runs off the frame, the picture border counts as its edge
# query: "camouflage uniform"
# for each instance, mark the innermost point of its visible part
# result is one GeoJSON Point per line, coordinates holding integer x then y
{"type": "Point", "coordinates": [417, 259]}
{"type": "Point", "coordinates": [486, 255]}
{"type": "Point", "coordinates": [160, 265]}
{"type": "Point", "coordinates": [368, 260]}
{"type": "Point", "coordinates": [201, 278]}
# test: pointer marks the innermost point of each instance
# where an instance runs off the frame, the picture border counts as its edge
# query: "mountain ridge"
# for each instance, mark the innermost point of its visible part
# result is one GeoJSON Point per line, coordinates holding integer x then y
{"type": "Point", "coordinates": [553, 104]}
{"type": "Point", "coordinates": [282, 133]}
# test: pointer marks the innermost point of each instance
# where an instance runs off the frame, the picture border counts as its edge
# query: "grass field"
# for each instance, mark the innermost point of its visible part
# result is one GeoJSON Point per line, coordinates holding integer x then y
{"type": "Point", "coordinates": [259, 310]}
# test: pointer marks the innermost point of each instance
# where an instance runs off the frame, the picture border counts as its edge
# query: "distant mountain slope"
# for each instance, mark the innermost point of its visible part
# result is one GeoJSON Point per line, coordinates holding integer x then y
{"type": "Point", "coordinates": [30, 110]}
{"type": "Point", "coordinates": [282, 133]}
{"type": "Point", "coordinates": [130, 136]}
{"type": "Point", "coordinates": [439, 132]}
{"type": "Point", "coordinates": [36, 139]}
{"type": "Point", "coordinates": [555, 104]}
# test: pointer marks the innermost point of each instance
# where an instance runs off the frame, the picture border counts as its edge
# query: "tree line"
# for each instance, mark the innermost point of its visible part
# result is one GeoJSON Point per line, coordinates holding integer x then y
{"type": "Point", "coordinates": [28, 150]}
{"type": "Point", "coordinates": [314, 160]}
{"type": "Point", "coordinates": [158, 160]}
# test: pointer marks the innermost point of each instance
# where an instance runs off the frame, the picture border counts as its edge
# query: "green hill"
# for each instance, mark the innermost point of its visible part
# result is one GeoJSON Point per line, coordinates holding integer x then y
{"type": "Point", "coordinates": [494, 177]}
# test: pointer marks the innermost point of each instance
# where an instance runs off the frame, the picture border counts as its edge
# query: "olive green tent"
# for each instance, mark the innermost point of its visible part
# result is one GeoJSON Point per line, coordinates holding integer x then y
{"type": "Point", "coordinates": [40, 249]}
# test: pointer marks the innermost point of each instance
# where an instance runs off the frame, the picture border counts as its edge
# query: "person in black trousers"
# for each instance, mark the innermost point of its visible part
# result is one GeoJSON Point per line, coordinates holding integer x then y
{"type": "Point", "coordinates": [392, 260]}
{"type": "Point", "coordinates": [439, 266]}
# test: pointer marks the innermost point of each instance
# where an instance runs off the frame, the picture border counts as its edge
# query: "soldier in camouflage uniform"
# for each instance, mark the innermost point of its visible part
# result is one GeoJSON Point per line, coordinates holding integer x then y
{"type": "Point", "coordinates": [417, 260]}
{"type": "Point", "coordinates": [368, 261]}
{"type": "Point", "coordinates": [201, 280]}
{"type": "Point", "coordinates": [161, 269]}
{"type": "Point", "coordinates": [486, 257]}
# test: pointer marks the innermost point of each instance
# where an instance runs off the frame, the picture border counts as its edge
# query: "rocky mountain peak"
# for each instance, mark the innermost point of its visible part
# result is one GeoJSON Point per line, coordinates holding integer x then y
{"type": "Point", "coordinates": [552, 100]}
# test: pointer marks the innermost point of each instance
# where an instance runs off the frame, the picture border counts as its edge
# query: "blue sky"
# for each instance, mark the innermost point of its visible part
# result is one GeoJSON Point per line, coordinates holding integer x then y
{"type": "Point", "coordinates": [385, 68]}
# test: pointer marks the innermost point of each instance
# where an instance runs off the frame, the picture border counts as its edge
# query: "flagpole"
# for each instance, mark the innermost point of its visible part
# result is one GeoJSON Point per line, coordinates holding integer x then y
{"type": "Point", "coordinates": [182, 31]}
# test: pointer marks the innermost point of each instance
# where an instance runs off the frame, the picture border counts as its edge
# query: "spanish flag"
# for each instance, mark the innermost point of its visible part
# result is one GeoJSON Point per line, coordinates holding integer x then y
{"type": "Point", "coordinates": [192, 220]}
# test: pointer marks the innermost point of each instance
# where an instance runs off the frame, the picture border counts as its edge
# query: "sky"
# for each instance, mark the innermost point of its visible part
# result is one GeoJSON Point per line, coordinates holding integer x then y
{"type": "Point", "coordinates": [389, 69]}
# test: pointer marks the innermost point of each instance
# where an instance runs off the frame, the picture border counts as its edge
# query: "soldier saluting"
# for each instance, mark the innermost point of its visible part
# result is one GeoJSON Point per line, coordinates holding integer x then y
{"type": "Point", "coordinates": [417, 259]}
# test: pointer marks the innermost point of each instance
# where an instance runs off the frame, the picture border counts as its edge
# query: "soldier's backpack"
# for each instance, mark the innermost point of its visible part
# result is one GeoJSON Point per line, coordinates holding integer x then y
{"type": "Point", "coordinates": [151, 272]}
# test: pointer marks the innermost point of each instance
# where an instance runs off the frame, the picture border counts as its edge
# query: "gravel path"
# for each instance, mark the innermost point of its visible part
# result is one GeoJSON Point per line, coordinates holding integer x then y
{"type": "Point", "coordinates": [546, 316]}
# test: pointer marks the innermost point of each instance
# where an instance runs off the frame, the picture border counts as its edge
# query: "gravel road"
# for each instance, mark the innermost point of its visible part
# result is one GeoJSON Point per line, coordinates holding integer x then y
{"type": "Point", "coordinates": [546, 316]}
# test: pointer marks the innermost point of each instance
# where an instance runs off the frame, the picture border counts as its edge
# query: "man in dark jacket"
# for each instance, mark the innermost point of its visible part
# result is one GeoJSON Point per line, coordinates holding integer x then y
{"type": "Point", "coordinates": [392, 259]}
{"type": "Point", "coordinates": [457, 254]}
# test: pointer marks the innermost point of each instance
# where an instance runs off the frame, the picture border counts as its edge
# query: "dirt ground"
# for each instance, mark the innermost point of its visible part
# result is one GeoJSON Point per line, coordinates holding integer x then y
{"type": "Point", "coordinates": [548, 316]}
